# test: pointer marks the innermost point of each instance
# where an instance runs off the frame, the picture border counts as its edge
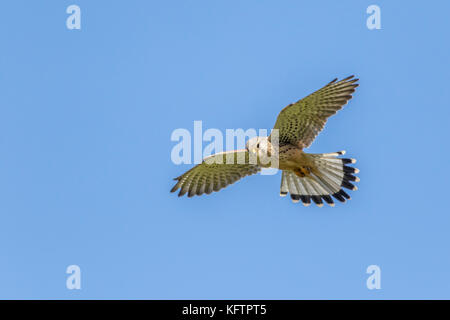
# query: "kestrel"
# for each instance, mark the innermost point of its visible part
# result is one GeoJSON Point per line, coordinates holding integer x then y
{"type": "Point", "coordinates": [305, 176]}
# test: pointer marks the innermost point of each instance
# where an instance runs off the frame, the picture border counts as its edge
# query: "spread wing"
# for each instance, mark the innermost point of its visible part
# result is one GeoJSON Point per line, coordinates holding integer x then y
{"type": "Point", "coordinates": [215, 172]}
{"type": "Point", "coordinates": [300, 122]}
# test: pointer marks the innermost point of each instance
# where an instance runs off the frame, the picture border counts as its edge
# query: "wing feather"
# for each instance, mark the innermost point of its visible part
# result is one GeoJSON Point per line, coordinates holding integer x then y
{"type": "Point", "coordinates": [299, 123]}
{"type": "Point", "coordinates": [215, 172]}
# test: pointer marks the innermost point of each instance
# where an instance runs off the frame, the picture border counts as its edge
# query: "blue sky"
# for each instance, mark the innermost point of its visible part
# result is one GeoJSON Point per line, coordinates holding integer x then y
{"type": "Point", "coordinates": [85, 169]}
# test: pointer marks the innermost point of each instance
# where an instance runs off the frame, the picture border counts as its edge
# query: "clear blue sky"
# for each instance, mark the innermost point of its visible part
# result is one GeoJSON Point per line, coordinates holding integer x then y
{"type": "Point", "coordinates": [85, 170]}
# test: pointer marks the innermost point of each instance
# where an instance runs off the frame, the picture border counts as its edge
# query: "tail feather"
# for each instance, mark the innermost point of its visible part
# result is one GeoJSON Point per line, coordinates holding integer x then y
{"type": "Point", "coordinates": [328, 175]}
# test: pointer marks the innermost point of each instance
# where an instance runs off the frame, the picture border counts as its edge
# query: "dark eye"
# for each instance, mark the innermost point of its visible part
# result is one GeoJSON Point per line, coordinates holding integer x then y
{"type": "Point", "coordinates": [257, 145]}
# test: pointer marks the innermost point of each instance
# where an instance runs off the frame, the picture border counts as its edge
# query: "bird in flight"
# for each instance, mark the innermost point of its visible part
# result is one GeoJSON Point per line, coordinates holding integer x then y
{"type": "Point", "coordinates": [305, 176]}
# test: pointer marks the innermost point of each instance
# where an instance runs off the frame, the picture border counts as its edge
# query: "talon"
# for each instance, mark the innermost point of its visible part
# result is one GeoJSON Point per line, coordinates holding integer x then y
{"type": "Point", "coordinates": [302, 171]}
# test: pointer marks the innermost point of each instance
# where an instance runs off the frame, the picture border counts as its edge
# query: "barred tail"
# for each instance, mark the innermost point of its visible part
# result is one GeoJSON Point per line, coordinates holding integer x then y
{"type": "Point", "coordinates": [324, 178]}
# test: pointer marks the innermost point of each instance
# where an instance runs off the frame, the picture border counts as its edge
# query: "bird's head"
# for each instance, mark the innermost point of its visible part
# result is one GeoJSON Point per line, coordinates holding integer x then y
{"type": "Point", "coordinates": [259, 146]}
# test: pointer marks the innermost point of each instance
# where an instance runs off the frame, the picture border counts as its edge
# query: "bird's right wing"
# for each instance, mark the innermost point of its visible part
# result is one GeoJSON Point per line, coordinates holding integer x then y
{"type": "Point", "coordinates": [300, 122]}
{"type": "Point", "coordinates": [215, 172]}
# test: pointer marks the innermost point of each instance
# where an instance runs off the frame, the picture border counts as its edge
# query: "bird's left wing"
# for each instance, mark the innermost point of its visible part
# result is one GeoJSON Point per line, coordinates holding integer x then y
{"type": "Point", "coordinates": [300, 122]}
{"type": "Point", "coordinates": [215, 172]}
